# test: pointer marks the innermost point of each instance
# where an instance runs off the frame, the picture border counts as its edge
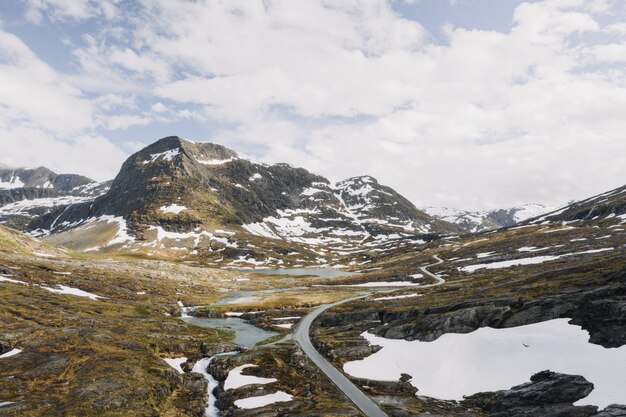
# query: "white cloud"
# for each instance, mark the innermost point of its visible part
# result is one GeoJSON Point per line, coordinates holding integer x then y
{"type": "Point", "coordinates": [25, 146]}
{"type": "Point", "coordinates": [159, 107]}
{"type": "Point", "coordinates": [38, 10]}
{"type": "Point", "coordinates": [32, 91]}
{"type": "Point", "coordinates": [614, 52]}
{"type": "Point", "coordinates": [44, 120]}
{"type": "Point", "coordinates": [124, 121]}
{"type": "Point", "coordinates": [487, 119]}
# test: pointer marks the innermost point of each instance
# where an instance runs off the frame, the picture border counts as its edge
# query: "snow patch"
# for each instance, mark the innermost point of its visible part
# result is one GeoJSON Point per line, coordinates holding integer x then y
{"type": "Point", "coordinates": [164, 156]}
{"type": "Point", "coordinates": [263, 400]}
{"type": "Point", "coordinates": [176, 363]}
{"type": "Point", "coordinates": [63, 289]}
{"type": "Point", "coordinates": [397, 297]}
{"type": "Point", "coordinates": [10, 353]}
{"type": "Point", "coordinates": [495, 359]}
{"type": "Point", "coordinates": [236, 380]}
{"type": "Point", "coordinates": [173, 208]}
{"type": "Point", "coordinates": [13, 182]}
{"type": "Point", "coordinates": [14, 281]}
{"type": "Point", "coordinates": [216, 161]}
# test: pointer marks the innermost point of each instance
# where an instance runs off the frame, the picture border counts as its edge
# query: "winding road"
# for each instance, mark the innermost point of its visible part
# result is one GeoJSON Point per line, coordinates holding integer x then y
{"type": "Point", "coordinates": [301, 335]}
{"type": "Point", "coordinates": [438, 279]}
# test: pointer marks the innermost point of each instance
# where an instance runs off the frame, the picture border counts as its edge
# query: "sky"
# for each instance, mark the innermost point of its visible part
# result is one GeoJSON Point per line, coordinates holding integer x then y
{"type": "Point", "coordinates": [473, 104]}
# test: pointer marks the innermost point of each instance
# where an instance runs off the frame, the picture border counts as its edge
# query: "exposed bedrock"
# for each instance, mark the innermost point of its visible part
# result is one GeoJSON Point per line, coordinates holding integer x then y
{"type": "Point", "coordinates": [601, 311]}
{"type": "Point", "coordinates": [547, 394]}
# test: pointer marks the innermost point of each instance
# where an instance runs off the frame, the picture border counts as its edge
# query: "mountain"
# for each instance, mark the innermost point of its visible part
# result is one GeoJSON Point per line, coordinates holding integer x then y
{"type": "Point", "coordinates": [608, 207]}
{"type": "Point", "coordinates": [40, 178]}
{"type": "Point", "coordinates": [176, 195]}
{"type": "Point", "coordinates": [26, 194]}
{"type": "Point", "coordinates": [478, 221]}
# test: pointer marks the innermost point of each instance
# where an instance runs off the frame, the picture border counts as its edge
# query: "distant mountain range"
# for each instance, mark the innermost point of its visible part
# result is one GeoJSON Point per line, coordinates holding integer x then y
{"type": "Point", "coordinates": [478, 221]}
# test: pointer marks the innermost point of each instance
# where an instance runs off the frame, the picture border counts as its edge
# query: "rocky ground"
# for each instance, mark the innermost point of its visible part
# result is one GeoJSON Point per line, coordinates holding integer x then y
{"type": "Point", "coordinates": [105, 355]}
{"type": "Point", "coordinates": [589, 287]}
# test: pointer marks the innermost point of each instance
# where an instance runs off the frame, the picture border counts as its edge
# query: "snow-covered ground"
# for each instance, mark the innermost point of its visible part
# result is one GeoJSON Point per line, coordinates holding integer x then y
{"type": "Point", "coordinates": [175, 363]}
{"type": "Point", "coordinates": [163, 156]}
{"type": "Point", "coordinates": [14, 281]}
{"type": "Point", "coordinates": [10, 353]}
{"type": "Point", "coordinates": [13, 182]}
{"type": "Point", "coordinates": [513, 262]}
{"type": "Point", "coordinates": [173, 208]}
{"type": "Point", "coordinates": [529, 261]}
{"type": "Point", "coordinates": [236, 380]}
{"type": "Point", "coordinates": [385, 284]}
{"type": "Point", "coordinates": [62, 289]}
{"type": "Point", "coordinates": [23, 207]}
{"type": "Point", "coordinates": [263, 400]}
{"type": "Point", "coordinates": [456, 365]}
{"type": "Point", "coordinates": [397, 297]}
{"type": "Point", "coordinates": [216, 161]}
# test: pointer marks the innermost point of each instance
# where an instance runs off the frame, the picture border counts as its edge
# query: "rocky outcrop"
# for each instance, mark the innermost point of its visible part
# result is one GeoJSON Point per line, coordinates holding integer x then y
{"type": "Point", "coordinates": [548, 394]}
{"type": "Point", "coordinates": [601, 311]}
{"type": "Point", "coordinates": [613, 410]}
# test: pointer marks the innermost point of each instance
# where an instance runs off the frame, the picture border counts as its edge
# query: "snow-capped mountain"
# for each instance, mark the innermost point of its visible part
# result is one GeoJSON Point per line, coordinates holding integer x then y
{"type": "Point", "coordinates": [27, 194]}
{"type": "Point", "coordinates": [478, 221]}
{"type": "Point", "coordinates": [40, 178]}
{"type": "Point", "coordinates": [203, 198]}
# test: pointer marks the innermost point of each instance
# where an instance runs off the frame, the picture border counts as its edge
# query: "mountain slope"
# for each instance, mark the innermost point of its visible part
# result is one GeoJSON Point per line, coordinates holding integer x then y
{"type": "Point", "coordinates": [606, 207]}
{"type": "Point", "coordinates": [26, 194]}
{"type": "Point", "coordinates": [203, 198]}
{"type": "Point", "coordinates": [40, 178]}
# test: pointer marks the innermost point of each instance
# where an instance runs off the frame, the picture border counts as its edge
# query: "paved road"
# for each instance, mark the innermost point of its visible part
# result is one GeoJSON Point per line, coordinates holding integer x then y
{"type": "Point", "coordinates": [301, 335]}
{"type": "Point", "coordinates": [430, 274]}
{"type": "Point", "coordinates": [362, 401]}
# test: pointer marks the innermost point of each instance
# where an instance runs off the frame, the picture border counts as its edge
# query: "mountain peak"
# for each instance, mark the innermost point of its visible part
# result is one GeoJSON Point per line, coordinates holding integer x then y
{"type": "Point", "coordinates": [171, 147]}
{"type": "Point", "coordinates": [358, 180]}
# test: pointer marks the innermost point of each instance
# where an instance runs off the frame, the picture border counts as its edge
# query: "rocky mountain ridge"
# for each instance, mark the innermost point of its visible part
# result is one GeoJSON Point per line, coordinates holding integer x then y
{"type": "Point", "coordinates": [203, 198]}
{"type": "Point", "coordinates": [41, 177]}
{"type": "Point", "coordinates": [27, 194]}
{"type": "Point", "coordinates": [606, 207]}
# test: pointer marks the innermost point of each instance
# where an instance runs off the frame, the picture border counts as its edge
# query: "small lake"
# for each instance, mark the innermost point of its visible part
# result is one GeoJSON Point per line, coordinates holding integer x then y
{"type": "Point", "coordinates": [246, 335]}
{"type": "Point", "coordinates": [241, 297]}
{"type": "Point", "coordinates": [494, 359]}
{"type": "Point", "coordinates": [316, 272]}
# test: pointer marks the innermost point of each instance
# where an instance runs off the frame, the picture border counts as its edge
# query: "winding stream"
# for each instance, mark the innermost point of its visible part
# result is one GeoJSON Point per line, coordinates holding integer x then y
{"type": "Point", "coordinates": [246, 334]}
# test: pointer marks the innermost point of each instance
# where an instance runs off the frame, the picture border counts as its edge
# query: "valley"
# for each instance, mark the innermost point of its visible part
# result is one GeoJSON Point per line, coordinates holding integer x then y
{"type": "Point", "coordinates": [198, 283]}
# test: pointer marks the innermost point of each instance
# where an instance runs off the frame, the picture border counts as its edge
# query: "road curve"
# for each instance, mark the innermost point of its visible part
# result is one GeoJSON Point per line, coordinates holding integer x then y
{"type": "Point", "coordinates": [301, 335]}
{"type": "Point", "coordinates": [438, 279]}
{"type": "Point", "coordinates": [362, 401]}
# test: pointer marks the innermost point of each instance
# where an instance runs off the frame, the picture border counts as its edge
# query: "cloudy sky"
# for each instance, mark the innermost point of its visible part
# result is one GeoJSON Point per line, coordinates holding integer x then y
{"type": "Point", "coordinates": [465, 103]}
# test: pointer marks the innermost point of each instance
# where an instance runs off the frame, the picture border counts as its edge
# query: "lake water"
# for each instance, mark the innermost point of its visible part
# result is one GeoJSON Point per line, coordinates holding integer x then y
{"type": "Point", "coordinates": [240, 297]}
{"type": "Point", "coordinates": [246, 335]}
{"type": "Point", "coordinates": [317, 272]}
{"type": "Point", "coordinates": [494, 359]}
